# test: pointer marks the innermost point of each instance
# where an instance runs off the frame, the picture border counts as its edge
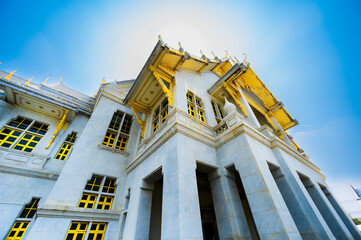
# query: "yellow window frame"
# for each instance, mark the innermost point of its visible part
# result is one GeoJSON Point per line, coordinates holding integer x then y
{"type": "Point", "coordinates": [164, 115]}
{"type": "Point", "coordinates": [7, 139]}
{"type": "Point", "coordinates": [201, 115]}
{"type": "Point", "coordinates": [191, 110]}
{"type": "Point", "coordinates": [155, 125]}
{"type": "Point", "coordinates": [38, 128]}
{"type": "Point", "coordinates": [64, 151]}
{"type": "Point", "coordinates": [94, 184]}
{"type": "Point", "coordinates": [77, 229]}
{"type": "Point", "coordinates": [105, 202]}
{"type": "Point", "coordinates": [17, 230]}
{"type": "Point", "coordinates": [71, 137]}
{"type": "Point", "coordinates": [87, 200]}
{"type": "Point", "coordinates": [116, 120]}
{"type": "Point", "coordinates": [190, 97]}
{"type": "Point", "coordinates": [19, 122]}
{"type": "Point", "coordinates": [127, 124]}
{"type": "Point", "coordinates": [30, 209]}
{"type": "Point", "coordinates": [121, 143]}
{"type": "Point", "coordinates": [109, 185]}
{"type": "Point", "coordinates": [97, 229]}
{"type": "Point", "coordinates": [27, 142]}
{"type": "Point", "coordinates": [195, 106]}
{"type": "Point", "coordinates": [160, 114]}
{"type": "Point", "coordinates": [109, 139]}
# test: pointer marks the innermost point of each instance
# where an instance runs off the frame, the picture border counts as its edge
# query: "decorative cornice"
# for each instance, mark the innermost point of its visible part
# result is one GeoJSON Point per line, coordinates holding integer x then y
{"type": "Point", "coordinates": [29, 173]}
{"type": "Point", "coordinates": [174, 125]}
{"type": "Point", "coordinates": [78, 213]}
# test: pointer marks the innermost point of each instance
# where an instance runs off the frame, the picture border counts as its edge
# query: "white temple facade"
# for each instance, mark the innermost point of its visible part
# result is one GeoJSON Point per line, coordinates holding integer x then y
{"type": "Point", "coordinates": [193, 148]}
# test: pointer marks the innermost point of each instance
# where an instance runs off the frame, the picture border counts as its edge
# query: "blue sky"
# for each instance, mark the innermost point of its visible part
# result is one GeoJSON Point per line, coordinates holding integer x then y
{"type": "Point", "coordinates": [306, 52]}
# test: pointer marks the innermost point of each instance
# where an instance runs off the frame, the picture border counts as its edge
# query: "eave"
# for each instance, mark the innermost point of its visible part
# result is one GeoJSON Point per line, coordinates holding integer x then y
{"type": "Point", "coordinates": [68, 103]}
{"type": "Point", "coordinates": [244, 77]}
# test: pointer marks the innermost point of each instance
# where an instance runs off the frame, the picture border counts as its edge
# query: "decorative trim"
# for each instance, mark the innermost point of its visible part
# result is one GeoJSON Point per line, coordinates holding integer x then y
{"type": "Point", "coordinates": [113, 150]}
{"type": "Point", "coordinates": [29, 173]}
{"type": "Point", "coordinates": [69, 104]}
{"type": "Point", "coordinates": [240, 127]}
{"type": "Point", "coordinates": [28, 154]}
{"type": "Point", "coordinates": [79, 213]}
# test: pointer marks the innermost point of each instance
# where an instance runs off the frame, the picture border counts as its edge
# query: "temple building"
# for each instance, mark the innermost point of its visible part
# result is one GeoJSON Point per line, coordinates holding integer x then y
{"type": "Point", "coordinates": [193, 148]}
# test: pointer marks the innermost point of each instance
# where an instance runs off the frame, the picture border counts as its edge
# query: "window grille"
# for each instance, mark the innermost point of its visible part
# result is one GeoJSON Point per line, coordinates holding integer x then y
{"type": "Point", "coordinates": [66, 146]}
{"type": "Point", "coordinates": [118, 131]}
{"type": "Point", "coordinates": [23, 221]}
{"type": "Point", "coordinates": [160, 115]}
{"type": "Point", "coordinates": [22, 134]}
{"type": "Point", "coordinates": [99, 193]}
{"type": "Point", "coordinates": [195, 106]}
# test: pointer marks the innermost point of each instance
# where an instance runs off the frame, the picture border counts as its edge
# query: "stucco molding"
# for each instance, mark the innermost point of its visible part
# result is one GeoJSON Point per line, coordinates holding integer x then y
{"type": "Point", "coordinates": [78, 213]}
{"type": "Point", "coordinates": [113, 150]}
{"type": "Point", "coordinates": [29, 173]}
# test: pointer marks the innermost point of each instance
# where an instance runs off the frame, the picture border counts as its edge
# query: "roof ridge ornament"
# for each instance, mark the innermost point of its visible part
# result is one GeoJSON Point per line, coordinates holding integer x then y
{"type": "Point", "coordinates": [232, 60]}
{"type": "Point", "coordinates": [46, 80]}
{"type": "Point", "coordinates": [160, 39]}
{"type": "Point", "coordinates": [237, 60]}
{"type": "Point", "coordinates": [215, 57]}
{"type": "Point", "coordinates": [28, 82]}
{"type": "Point", "coordinates": [245, 62]}
{"type": "Point", "coordinates": [226, 54]}
{"type": "Point", "coordinates": [203, 56]}
{"type": "Point", "coordinates": [181, 49]}
{"type": "Point", "coordinates": [10, 74]}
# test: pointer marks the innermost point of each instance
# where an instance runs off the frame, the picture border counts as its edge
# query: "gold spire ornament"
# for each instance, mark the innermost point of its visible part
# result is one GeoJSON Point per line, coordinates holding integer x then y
{"type": "Point", "coordinates": [46, 80]}
{"type": "Point", "coordinates": [237, 60]}
{"type": "Point", "coordinates": [245, 57]}
{"type": "Point", "coordinates": [28, 82]}
{"type": "Point", "coordinates": [10, 74]}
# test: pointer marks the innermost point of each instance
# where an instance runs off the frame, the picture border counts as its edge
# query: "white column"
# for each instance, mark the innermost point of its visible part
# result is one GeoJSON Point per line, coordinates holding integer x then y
{"type": "Point", "coordinates": [270, 213]}
{"type": "Point", "coordinates": [337, 227]}
{"type": "Point", "coordinates": [231, 219]}
{"type": "Point", "coordinates": [344, 217]}
{"type": "Point", "coordinates": [181, 217]}
{"type": "Point", "coordinates": [305, 203]}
